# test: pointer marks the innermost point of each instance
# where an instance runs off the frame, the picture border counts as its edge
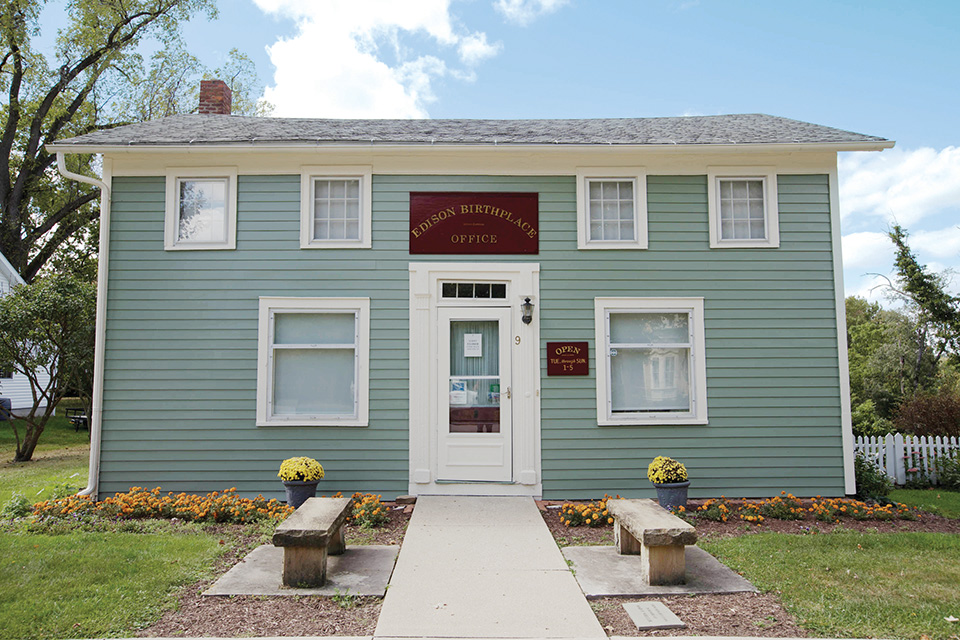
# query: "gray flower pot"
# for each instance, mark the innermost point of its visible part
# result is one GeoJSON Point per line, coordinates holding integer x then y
{"type": "Point", "coordinates": [672, 495]}
{"type": "Point", "coordinates": [299, 490]}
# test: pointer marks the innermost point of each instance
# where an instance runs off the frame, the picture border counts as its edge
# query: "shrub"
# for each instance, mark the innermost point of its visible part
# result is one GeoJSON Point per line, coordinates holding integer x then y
{"type": "Point", "coordinates": [930, 415]}
{"type": "Point", "coordinates": [872, 482]}
{"type": "Point", "coordinates": [593, 514]}
{"type": "Point", "coordinates": [16, 507]}
{"type": "Point", "coordinates": [665, 470]}
{"type": "Point", "coordinates": [948, 471]}
{"type": "Point", "coordinates": [867, 422]}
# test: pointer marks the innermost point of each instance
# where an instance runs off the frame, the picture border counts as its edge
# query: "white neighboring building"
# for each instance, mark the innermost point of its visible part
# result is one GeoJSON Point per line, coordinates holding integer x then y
{"type": "Point", "coordinates": [14, 385]}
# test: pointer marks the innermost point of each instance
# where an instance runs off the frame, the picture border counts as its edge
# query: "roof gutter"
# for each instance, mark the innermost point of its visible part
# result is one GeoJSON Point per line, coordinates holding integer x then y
{"type": "Point", "coordinates": [254, 146]}
{"type": "Point", "coordinates": [102, 265]}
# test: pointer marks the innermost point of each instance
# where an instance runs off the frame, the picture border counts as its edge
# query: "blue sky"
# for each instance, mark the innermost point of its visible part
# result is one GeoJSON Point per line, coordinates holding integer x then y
{"type": "Point", "coordinates": [882, 68]}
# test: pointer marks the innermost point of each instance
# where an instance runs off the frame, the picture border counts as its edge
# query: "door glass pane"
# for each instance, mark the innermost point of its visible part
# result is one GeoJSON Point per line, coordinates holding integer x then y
{"type": "Point", "coordinates": [654, 380]}
{"type": "Point", "coordinates": [474, 386]}
{"type": "Point", "coordinates": [314, 382]}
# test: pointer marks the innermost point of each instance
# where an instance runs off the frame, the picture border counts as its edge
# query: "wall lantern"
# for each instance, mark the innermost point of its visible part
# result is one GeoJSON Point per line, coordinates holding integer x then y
{"type": "Point", "coordinates": [527, 309]}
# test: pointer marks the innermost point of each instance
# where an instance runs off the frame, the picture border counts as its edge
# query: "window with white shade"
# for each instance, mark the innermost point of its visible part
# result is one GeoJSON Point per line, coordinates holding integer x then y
{"type": "Point", "coordinates": [743, 208]}
{"type": "Point", "coordinates": [612, 208]}
{"type": "Point", "coordinates": [335, 207]}
{"type": "Point", "coordinates": [201, 209]}
{"type": "Point", "coordinates": [650, 368]}
{"type": "Point", "coordinates": [313, 361]}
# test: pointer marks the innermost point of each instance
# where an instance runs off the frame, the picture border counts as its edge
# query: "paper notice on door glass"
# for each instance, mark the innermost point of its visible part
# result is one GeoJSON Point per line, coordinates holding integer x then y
{"type": "Point", "coordinates": [458, 392]}
{"type": "Point", "coordinates": [473, 345]}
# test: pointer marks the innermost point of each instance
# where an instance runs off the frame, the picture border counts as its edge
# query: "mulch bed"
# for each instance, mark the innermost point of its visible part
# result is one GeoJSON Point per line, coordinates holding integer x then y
{"type": "Point", "coordinates": [738, 614]}
{"type": "Point", "coordinates": [735, 614]}
{"type": "Point", "coordinates": [234, 616]}
{"type": "Point", "coordinates": [734, 526]}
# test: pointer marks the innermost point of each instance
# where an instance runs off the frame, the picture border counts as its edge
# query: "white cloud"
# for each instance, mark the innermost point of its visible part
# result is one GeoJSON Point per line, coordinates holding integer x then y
{"type": "Point", "coordinates": [523, 12]}
{"type": "Point", "coordinates": [942, 243]}
{"type": "Point", "coordinates": [867, 249]}
{"type": "Point", "coordinates": [902, 185]}
{"type": "Point", "coordinates": [348, 59]}
{"type": "Point", "coordinates": [475, 48]}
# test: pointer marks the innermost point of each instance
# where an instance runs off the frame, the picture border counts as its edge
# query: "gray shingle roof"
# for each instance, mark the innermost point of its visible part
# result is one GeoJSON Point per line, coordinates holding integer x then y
{"type": "Point", "coordinates": [198, 129]}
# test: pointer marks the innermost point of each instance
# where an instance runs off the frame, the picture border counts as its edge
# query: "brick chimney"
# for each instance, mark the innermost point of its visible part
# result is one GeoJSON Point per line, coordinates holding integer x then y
{"type": "Point", "coordinates": [215, 97]}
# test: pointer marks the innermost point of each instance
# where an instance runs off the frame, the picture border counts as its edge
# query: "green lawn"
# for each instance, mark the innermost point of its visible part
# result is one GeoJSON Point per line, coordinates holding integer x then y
{"type": "Point", "coordinates": [37, 478]}
{"type": "Point", "coordinates": [61, 457]}
{"type": "Point", "coordinates": [88, 584]}
{"type": "Point", "coordinates": [857, 585]}
{"type": "Point", "coordinates": [943, 503]}
{"type": "Point", "coordinates": [58, 433]}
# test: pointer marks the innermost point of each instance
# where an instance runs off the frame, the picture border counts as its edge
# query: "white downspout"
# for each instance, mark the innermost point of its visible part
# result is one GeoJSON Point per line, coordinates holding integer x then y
{"type": "Point", "coordinates": [102, 268]}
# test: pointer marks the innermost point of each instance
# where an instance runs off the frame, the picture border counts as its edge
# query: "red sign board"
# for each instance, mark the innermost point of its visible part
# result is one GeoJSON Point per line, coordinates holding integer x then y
{"type": "Point", "coordinates": [568, 359]}
{"type": "Point", "coordinates": [460, 223]}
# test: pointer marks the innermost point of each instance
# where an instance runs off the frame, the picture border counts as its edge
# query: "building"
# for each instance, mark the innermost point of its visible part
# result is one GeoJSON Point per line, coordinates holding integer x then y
{"type": "Point", "coordinates": [13, 385]}
{"type": "Point", "coordinates": [532, 307]}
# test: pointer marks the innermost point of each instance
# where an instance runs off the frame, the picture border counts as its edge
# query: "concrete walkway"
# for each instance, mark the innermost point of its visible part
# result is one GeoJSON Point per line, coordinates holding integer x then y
{"type": "Point", "coordinates": [483, 568]}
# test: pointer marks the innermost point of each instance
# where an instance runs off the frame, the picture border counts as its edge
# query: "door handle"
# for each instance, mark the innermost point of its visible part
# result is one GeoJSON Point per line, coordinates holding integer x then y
{"type": "Point", "coordinates": [508, 393]}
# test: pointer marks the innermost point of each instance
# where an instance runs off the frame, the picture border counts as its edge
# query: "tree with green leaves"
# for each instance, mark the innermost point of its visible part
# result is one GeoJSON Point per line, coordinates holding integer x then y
{"type": "Point", "coordinates": [938, 312]}
{"type": "Point", "coordinates": [98, 80]}
{"type": "Point", "coordinates": [47, 326]}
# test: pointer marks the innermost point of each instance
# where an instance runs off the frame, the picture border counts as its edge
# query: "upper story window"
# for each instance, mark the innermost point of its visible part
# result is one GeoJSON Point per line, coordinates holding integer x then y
{"type": "Point", "coordinates": [201, 208]}
{"type": "Point", "coordinates": [335, 207]}
{"type": "Point", "coordinates": [743, 207]}
{"type": "Point", "coordinates": [611, 208]}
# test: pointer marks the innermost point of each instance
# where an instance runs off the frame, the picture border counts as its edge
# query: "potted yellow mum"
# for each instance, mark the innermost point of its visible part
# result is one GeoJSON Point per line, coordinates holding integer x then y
{"type": "Point", "coordinates": [670, 479]}
{"type": "Point", "coordinates": [300, 478]}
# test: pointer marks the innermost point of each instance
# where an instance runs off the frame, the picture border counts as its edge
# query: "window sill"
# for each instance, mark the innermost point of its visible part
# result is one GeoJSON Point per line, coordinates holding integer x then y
{"type": "Point", "coordinates": [313, 423]}
{"type": "Point", "coordinates": [201, 247]}
{"type": "Point", "coordinates": [744, 244]}
{"type": "Point", "coordinates": [337, 244]}
{"type": "Point", "coordinates": [613, 244]}
{"type": "Point", "coordinates": [659, 422]}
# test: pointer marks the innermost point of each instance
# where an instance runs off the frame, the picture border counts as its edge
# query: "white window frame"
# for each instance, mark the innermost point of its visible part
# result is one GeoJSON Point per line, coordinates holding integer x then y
{"type": "Point", "coordinates": [309, 174]}
{"type": "Point", "coordinates": [771, 213]}
{"type": "Point", "coordinates": [269, 306]}
{"type": "Point", "coordinates": [171, 233]}
{"type": "Point", "coordinates": [603, 307]}
{"type": "Point", "coordinates": [638, 176]}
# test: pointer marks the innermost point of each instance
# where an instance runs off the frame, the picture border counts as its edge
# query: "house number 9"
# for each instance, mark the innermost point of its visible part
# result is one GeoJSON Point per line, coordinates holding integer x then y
{"type": "Point", "coordinates": [517, 340]}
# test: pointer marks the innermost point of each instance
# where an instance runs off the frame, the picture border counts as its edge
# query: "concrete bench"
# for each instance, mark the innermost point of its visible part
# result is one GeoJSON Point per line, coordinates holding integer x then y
{"type": "Point", "coordinates": [644, 528]}
{"type": "Point", "coordinates": [314, 531]}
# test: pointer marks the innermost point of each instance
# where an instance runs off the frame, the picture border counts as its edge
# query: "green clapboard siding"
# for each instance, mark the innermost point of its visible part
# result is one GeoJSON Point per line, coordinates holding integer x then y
{"type": "Point", "coordinates": [181, 349]}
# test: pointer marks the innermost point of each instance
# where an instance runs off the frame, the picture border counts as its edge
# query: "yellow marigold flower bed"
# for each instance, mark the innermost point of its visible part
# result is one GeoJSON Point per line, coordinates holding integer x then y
{"type": "Point", "coordinates": [592, 514]}
{"type": "Point", "coordinates": [139, 503]}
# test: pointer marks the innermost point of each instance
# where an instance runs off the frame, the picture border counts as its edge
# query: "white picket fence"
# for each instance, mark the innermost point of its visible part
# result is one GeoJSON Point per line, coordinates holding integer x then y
{"type": "Point", "coordinates": [906, 457]}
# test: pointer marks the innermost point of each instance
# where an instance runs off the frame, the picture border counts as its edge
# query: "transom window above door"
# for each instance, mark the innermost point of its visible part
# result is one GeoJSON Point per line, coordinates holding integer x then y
{"type": "Point", "coordinates": [335, 207]}
{"type": "Point", "coordinates": [473, 290]}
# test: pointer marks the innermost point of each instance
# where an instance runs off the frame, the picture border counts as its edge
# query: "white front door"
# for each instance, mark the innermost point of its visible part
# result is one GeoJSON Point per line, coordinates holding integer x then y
{"type": "Point", "coordinates": [475, 426]}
